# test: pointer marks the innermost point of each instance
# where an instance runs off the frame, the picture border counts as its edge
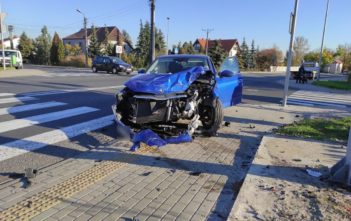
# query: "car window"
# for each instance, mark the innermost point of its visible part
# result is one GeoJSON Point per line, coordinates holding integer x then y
{"type": "Point", "coordinates": [176, 64]}
{"type": "Point", "coordinates": [230, 64]}
{"type": "Point", "coordinates": [8, 53]}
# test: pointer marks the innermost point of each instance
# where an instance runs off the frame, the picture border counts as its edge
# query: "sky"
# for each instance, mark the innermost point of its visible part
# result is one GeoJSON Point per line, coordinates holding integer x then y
{"type": "Point", "coordinates": [264, 21]}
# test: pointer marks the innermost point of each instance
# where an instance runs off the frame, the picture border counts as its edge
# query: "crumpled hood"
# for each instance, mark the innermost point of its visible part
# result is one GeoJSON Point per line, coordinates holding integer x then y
{"type": "Point", "coordinates": [164, 83]}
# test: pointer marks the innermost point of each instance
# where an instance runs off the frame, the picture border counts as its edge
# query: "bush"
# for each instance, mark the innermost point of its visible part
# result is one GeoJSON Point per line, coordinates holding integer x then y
{"type": "Point", "coordinates": [75, 61]}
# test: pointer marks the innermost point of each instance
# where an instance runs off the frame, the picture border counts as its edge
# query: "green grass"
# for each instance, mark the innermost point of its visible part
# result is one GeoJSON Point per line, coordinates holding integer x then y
{"type": "Point", "coordinates": [335, 129]}
{"type": "Point", "coordinates": [341, 85]}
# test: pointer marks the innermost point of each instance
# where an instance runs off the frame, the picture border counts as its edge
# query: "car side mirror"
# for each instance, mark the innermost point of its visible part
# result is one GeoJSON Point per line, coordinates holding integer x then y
{"type": "Point", "coordinates": [141, 71]}
{"type": "Point", "coordinates": [226, 73]}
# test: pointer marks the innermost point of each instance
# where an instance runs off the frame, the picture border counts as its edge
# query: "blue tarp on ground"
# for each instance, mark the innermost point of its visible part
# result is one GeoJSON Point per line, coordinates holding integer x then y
{"type": "Point", "coordinates": [152, 139]}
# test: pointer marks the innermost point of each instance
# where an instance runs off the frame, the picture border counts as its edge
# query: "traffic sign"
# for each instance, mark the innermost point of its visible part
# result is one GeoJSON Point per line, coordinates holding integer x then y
{"type": "Point", "coordinates": [119, 49]}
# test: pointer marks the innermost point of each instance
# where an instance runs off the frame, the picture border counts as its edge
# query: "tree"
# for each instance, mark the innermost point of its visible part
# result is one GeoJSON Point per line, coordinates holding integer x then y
{"type": "Point", "coordinates": [143, 44]}
{"type": "Point", "coordinates": [312, 56]}
{"type": "Point", "coordinates": [269, 57]}
{"type": "Point", "coordinates": [94, 46]}
{"type": "Point", "coordinates": [25, 46]}
{"type": "Point", "coordinates": [252, 56]}
{"type": "Point", "coordinates": [301, 47]}
{"type": "Point", "coordinates": [217, 54]}
{"type": "Point", "coordinates": [42, 45]}
{"type": "Point", "coordinates": [57, 51]}
{"type": "Point", "coordinates": [245, 56]}
{"type": "Point", "coordinates": [343, 52]}
{"type": "Point", "coordinates": [127, 37]}
{"type": "Point", "coordinates": [186, 48]}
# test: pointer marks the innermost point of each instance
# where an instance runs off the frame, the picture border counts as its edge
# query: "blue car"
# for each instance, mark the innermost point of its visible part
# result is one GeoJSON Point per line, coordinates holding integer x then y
{"type": "Point", "coordinates": [110, 64]}
{"type": "Point", "coordinates": [177, 94]}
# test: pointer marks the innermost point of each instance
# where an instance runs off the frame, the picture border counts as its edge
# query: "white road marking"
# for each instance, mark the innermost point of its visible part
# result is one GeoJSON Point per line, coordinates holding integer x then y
{"type": "Point", "coordinates": [44, 93]}
{"type": "Point", "coordinates": [6, 94]}
{"type": "Point", "coordinates": [16, 99]}
{"type": "Point", "coordinates": [43, 118]}
{"type": "Point", "coordinates": [29, 107]}
{"type": "Point", "coordinates": [317, 98]}
{"type": "Point", "coordinates": [28, 144]}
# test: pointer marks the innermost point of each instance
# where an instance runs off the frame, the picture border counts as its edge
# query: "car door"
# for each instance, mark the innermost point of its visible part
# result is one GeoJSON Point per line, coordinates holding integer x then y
{"type": "Point", "coordinates": [229, 84]}
{"type": "Point", "coordinates": [99, 63]}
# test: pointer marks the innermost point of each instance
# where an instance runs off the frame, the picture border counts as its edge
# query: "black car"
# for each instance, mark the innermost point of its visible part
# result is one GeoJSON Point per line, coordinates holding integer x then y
{"type": "Point", "coordinates": [111, 64]}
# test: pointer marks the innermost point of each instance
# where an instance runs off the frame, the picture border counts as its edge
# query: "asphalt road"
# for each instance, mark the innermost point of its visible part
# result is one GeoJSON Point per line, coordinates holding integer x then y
{"type": "Point", "coordinates": [47, 118]}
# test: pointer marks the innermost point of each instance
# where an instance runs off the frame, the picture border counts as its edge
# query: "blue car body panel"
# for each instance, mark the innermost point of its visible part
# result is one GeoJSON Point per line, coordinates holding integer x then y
{"type": "Point", "coordinates": [164, 83]}
{"type": "Point", "coordinates": [227, 89]}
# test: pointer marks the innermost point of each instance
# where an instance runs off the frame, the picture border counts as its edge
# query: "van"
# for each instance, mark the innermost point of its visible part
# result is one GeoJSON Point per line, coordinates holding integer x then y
{"type": "Point", "coordinates": [13, 58]}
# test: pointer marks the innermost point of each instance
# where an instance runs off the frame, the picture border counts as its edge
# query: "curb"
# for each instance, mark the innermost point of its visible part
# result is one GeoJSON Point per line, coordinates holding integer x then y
{"type": "Point", "coordinates": [236, 207]}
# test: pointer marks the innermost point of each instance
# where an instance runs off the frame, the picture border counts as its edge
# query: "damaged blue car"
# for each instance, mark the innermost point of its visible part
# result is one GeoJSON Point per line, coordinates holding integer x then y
{"type": "Point", "coordinates": [179, 94]}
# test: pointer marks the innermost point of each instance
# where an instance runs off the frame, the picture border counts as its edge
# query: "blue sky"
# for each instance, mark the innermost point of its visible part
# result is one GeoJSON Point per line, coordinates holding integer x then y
{"type": "Point", "coordinates": [265, 21]}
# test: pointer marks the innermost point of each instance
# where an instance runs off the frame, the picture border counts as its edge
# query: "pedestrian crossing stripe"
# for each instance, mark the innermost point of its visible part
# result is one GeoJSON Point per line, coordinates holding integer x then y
{"type": "Point", "coordinates": [16, 99]}
{"type": "Point", "coordinates": [30, 107]}
{"type": "Point", "coordinates": [25, 145]}
{"type": "Point", "coordinates": [6, 94]}
{"type": "Point", "coordinates": [43, 118]}
{"type": "Point", "coordinates": [317, 98]}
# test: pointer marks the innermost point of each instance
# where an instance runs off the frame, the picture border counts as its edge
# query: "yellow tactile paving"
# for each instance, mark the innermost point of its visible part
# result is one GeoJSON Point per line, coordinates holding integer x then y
{"type": "Point", "coordinates": [42, 201]}
{"type": "Point", "coordinates": [48, 198]}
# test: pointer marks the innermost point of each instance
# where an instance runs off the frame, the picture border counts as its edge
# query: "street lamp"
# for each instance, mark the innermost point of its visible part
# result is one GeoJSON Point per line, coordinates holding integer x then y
{"type": "Point", "coordinates": [167, 32]}
{"type": "Point", "coordinates": [85, 21]}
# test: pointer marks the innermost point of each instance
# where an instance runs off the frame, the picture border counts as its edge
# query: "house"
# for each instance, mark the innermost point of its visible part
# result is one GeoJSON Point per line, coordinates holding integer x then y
{"type": "Point", "coordinates": [7, 42]}
{"type": "Point", "coordinates": [115, 37]}
{"type": "Point", "coordinates": [335, 67]}
{"type": "Point", "coordinates": [230, 46]}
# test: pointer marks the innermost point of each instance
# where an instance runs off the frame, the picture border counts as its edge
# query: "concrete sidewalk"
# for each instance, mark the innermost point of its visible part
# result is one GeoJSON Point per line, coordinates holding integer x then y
{"type": "Point", "coordinates": [278, 187]}
{"type": "Point", "coordinates": [193, 181]}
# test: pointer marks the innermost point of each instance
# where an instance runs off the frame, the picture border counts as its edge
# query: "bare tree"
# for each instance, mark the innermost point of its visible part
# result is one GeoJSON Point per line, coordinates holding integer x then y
{"type": "Point", "coordinates": [301, 47]}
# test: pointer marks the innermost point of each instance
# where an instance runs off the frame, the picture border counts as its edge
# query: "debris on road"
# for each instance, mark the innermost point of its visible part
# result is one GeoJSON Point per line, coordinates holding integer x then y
{"type": "Point", "coordinates": [313, 173]}
{"type": "Point", "coordinates": [150, 138]}
{"type": "Point", "coordinates": [227, 123]}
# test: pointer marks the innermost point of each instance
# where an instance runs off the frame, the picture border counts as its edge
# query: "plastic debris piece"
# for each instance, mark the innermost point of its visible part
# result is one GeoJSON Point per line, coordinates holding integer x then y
{"type": "Point", "coordinates": [313, 173]}
{"type": "Point", "coordinates": [227, 123]}
{"type": "Point", "coordinates": [150, 138]}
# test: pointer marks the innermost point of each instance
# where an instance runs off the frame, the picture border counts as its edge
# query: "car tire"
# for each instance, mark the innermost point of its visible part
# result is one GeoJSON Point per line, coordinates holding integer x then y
{"type": "Point", "coordinates": [114, 71]}
{"type": "Point", "coordinates": [94, 69]}
{"type": "Point", "coordinates": [215, 113]}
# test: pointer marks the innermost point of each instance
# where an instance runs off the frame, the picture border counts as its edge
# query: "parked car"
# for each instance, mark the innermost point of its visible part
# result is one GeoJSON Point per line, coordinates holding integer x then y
{"type": "Point", "coordinates": [111, 64]}
{"type": "Point", "coordinates": [12, 58]}
{"type": "Point", "coordinates": [177, 88]}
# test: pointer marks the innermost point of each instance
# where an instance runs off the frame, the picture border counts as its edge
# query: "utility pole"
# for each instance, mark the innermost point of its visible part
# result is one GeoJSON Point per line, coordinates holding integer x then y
{"type": "Point", "coordinates": [152, 31]}
{"type": "Point", "coordinates": [292, 26]}
{"type": "Point", "coordinates": [167, 32]}
{"type": "Point", "coordinates": [322, 44]}
{"type": "Point", "coordinates": [207, 32]}
{"type": "Point", "coordinates": [2, 18]}
{"type": "Point", "coordinates": [10, 29]}
{"type": "Point", "coordinates": [85, 21]}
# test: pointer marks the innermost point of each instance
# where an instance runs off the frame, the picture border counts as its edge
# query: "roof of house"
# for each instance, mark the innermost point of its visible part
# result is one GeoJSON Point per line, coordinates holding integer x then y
{"type": "Point", "coordinates": [100, 33]}
{"type": "Point", "coordinates": [227, 44]}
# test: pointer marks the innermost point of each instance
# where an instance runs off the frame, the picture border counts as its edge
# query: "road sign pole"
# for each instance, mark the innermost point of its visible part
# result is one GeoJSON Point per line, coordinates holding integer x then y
{"type": "Point", "coordinates": [292, 26]}
{"type": "Point", "coordinates": [2, 18]}
{"type": "Point", "coordinates": [341, 171]}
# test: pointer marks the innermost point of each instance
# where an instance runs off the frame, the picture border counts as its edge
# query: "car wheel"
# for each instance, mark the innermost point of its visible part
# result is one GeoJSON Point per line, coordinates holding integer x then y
{"type": "Point", "coordinates": [212, 117]}
{"type": "Point", "coordinates": [95, 69]}
{"type": "Point", "coordinates": [114, 71]}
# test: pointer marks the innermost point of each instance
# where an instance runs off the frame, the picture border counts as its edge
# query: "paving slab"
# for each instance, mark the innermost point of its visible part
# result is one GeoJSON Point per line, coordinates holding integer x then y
{"type": "Point", "coordinates": [198, 180]}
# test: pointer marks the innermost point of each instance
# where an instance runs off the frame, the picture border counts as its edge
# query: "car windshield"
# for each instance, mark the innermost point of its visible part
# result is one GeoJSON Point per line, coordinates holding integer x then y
{"type": "Point", "coordinates": [176, 64]}
{"type": "Point", "coordinates": [117, 60]}
{"type": "Point", "coordinates": [8, 53]}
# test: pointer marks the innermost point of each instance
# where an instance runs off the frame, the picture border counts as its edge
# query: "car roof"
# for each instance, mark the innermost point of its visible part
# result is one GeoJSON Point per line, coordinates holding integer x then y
{"type": "Point", "coordinates": [184, 56]}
